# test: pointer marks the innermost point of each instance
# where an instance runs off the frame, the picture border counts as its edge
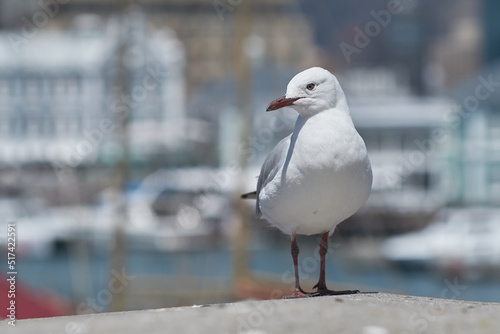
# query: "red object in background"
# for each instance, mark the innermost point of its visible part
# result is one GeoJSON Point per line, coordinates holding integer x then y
{"type": "Point", "coordinates": [31, 303]}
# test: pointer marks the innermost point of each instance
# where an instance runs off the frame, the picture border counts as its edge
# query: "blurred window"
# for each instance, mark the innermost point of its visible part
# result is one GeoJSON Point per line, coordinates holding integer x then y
{"type": "Point", "coordinates": [18, 125]}
{"type": "Point", "coordinates": [372, 140]}
{"type": "Point", "coordinates": [494, 182]}
{"type": "Point", "coordinates": [391, 141]}
{"type": "Point", "coordinates": [33, 92]}
{"type": "Point", "coordinates": [5, 91]}
{"type": "Point", "coordinates": [495, 126]}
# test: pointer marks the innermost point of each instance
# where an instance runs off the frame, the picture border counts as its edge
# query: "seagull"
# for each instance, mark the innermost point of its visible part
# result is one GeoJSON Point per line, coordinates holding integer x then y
{"type": "Point", "coordinates": [319, 175]}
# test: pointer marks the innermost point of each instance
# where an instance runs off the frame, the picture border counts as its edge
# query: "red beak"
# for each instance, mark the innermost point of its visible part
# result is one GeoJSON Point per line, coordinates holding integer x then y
{"type": "Point", "coordinates": [281, 102]}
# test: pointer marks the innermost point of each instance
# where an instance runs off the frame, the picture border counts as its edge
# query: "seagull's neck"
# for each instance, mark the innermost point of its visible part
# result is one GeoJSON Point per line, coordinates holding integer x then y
{"type": "Point", "coordinates": [343, 106]}
{"type": "Point", "coordinates": [331, 119]}
{"type": "Point", "coordinates": [338, 112]}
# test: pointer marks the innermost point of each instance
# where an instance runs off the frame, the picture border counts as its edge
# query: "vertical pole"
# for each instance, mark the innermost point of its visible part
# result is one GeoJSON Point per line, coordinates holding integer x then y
{"type": "Point", "coordinates": [121, 168]}
{"type": "Point", "coordinates": [242, 72]}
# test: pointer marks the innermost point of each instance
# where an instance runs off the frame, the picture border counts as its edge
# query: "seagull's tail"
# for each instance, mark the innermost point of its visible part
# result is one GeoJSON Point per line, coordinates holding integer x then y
{"type": "Point", "coordinates": [252, 195]}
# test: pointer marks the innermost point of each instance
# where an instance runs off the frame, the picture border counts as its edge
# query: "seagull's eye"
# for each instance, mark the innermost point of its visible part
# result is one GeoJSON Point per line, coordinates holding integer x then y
{"type": "Point", "coordinates": [310, 86]}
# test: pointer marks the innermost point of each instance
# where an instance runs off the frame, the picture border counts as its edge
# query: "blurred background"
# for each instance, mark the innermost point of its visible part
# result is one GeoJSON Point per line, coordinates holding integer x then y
{"type": "Point", "coordinates": [129, 129]}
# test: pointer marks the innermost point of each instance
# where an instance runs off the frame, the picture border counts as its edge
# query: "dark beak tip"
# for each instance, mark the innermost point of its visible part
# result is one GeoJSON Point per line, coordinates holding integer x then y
{"type": "Point", "coordinates": [280, 103]}
{"type": "Point", "coordinates": [270, 107]}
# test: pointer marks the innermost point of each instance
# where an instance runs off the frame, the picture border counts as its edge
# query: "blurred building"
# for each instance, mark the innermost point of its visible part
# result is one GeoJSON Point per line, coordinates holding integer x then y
{"type": "Point", "coordinates": [473, 154]}
{"type": "Point", "coordinates": [208, 33]}
{"type": "Point", "coordinates": [458, 52]}
{"type": "Point", "coordinates": [52, 88]}
{"type": "Point", "coordinates": [62, 98]}
{"type": "Point", "coordinates": [435, 44]}
{"type": "Point", "coordinates": [206, 28]}
{"type": "Point", "coordinates": [491, 25]}
{"type": "Point", "coordinates": [399, 136]}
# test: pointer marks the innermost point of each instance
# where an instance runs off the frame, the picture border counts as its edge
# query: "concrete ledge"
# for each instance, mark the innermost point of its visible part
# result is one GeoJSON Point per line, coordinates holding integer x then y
{"type": "Point", "coordinates": [375, 313]}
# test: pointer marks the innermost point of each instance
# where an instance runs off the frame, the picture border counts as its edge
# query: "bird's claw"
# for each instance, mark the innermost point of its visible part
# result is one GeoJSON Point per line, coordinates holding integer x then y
{"type": "Point", "coordinates": [322, 290]}
{"type": "Point", "coordinates": [299, 293]}
{"type": "Point", "coordinates": [327, 292]}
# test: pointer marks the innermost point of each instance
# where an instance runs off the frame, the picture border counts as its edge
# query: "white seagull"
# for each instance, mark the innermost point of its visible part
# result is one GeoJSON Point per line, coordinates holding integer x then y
{"type": "Point", "coordinates": [319, 175]}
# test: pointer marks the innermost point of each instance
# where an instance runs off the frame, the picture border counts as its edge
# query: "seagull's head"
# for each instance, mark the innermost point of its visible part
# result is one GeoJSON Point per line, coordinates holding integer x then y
{"type": "Point", "coordinates": [310, 92]}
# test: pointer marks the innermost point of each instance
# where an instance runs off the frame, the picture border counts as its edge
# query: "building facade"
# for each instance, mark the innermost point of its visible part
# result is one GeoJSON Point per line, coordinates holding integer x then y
{"type": "Point", "coordinates": [64, 94]}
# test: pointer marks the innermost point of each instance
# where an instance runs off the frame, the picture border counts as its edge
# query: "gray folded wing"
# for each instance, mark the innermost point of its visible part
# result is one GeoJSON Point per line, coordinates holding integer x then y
{"type": "Point", "coordinates": [271, 166]}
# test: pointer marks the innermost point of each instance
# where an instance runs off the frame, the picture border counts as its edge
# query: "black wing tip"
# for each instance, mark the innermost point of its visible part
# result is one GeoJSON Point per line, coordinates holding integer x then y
{"type": "Point", "coordinates": [252, 195]}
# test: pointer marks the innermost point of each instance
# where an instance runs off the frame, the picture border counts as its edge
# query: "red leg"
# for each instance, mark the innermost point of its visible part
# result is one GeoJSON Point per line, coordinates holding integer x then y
{"type": "Point", "coordinates": [298, 292]}
{"type": "Point", "coordinates": [321, 285]}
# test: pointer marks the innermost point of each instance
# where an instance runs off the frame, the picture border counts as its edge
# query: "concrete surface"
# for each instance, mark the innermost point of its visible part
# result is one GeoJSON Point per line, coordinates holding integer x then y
{"type": "Point", "coordinates": [362, 313]}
